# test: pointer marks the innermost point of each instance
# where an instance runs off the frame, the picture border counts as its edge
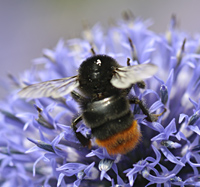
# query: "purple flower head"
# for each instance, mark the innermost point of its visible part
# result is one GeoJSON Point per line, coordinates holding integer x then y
{"type": "Point", "coordinates": [38, 146]}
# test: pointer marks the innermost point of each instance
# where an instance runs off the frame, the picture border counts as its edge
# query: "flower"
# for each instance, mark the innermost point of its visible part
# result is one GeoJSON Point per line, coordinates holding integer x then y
{"type": "Point", "coordinates": [39, 148]}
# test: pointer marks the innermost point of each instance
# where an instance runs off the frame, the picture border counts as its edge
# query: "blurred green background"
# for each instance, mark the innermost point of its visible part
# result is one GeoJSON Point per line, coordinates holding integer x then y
{"type": "Point", "coordinates": [27, 27]}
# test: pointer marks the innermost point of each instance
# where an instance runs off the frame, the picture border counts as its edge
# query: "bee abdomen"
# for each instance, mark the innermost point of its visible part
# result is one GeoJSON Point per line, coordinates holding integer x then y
{"type": "Point", "coordinates": [99, 112]}
{"type": "Point", "coordinates": [112, 127]}
{"type": "Point", "coordinates": [123, 141]}
{"type": "Point", "coordinates": [112, 124]}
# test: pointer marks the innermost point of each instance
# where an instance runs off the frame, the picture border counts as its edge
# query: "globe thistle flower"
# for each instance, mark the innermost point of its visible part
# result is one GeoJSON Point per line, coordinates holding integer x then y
{"type": "Point", "coordinates": [39, 148]}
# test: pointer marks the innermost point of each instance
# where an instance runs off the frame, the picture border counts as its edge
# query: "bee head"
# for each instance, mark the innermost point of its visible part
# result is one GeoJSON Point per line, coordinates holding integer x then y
{"type": "Point", "coordinates": [95, 74]}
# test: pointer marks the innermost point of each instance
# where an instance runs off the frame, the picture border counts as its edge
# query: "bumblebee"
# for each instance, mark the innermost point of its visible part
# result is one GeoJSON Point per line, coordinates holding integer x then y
{"type": "Point", "coordinates": [101, 88]}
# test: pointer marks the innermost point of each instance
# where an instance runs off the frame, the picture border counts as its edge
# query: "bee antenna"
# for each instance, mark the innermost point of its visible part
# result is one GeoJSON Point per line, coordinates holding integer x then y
{"type": "Point", "coordinates": [93, 51]}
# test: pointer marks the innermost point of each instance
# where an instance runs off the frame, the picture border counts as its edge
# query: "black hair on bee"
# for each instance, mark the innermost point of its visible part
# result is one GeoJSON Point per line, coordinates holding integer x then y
{"type": "Point", "coordinates": [103, 86]}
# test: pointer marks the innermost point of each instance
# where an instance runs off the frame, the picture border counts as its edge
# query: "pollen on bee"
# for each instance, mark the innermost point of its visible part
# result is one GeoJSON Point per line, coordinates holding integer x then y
{"type": "Point", "coordinates": [122, 142]}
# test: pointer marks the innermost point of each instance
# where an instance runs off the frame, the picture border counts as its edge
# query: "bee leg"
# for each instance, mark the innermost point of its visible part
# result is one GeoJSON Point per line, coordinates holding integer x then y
{"type": "Point", "coordinates": [141, 84]}
{"type": "Point", "coordinates": [77, 97]}
{"type": "Point", "coordinates": [82, 139]}
{"type": "Point", "coordinates": [150, 117]}
{"type": "Point", "coordinates": [93, 51]}
{"type": "Point", "coordinates": [142, 106]}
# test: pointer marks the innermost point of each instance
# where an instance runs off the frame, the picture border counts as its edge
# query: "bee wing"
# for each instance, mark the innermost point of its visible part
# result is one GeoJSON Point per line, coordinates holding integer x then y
{"type": "Point", "coordinates": [54, 88]}
{"type": "Point", "coordinates": [125, 76]}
